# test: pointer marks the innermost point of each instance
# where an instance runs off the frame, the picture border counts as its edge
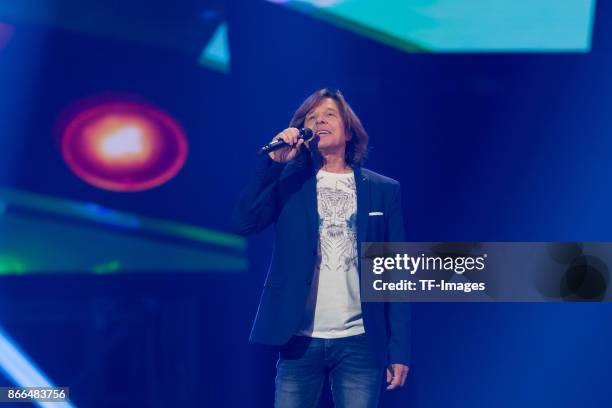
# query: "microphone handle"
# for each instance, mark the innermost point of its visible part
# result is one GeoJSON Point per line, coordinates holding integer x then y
{"type": "Point", "coordinates": [280, 143]}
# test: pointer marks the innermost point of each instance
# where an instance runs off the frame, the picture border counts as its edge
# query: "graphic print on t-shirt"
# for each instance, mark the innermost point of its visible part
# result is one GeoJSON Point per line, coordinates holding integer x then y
{"type": "Point", "coordinates": [337, 225]}
{"type": "Point", "coordinates": [333, 309]}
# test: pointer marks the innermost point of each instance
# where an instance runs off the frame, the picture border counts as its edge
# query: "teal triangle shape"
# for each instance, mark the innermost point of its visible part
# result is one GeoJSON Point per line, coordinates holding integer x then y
{"type": "Point", "coordinates": [216, 53]}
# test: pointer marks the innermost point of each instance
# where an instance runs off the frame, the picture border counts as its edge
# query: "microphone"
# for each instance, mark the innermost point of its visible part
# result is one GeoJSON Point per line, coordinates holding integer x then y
{"type": "Point", "coordinates": [305, 134]}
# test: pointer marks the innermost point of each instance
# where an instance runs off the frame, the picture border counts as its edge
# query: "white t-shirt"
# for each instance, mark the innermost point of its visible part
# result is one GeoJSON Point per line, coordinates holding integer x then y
{"type": "Point", "coordinates": [333, 309]}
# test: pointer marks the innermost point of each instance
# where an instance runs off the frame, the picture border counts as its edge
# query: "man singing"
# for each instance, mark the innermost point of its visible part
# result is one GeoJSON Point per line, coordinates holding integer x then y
{"type": "Point", "coordinates": [323, 205]}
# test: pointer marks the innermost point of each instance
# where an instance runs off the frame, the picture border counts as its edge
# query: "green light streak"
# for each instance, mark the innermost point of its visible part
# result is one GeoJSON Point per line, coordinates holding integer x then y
{"type": "Point", "coordinates": [106, 268]}
{"type": "Point", "coordinates": [11, 266]}
{"type": "Point", "coordinates": [97, 213]}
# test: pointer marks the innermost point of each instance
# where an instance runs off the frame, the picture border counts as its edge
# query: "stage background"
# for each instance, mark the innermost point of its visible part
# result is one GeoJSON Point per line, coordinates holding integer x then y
{"type": "Point", "coordinates": [489, 145]}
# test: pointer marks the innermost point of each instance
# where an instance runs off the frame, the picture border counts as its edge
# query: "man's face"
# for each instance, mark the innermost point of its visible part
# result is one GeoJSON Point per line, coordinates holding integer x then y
{"type": "Point", "coordinates": [326, 122]}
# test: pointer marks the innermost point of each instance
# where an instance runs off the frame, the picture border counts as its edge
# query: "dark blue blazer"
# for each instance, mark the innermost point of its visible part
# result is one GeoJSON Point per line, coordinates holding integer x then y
{"type": "Point", "coordinates": [285, 195]}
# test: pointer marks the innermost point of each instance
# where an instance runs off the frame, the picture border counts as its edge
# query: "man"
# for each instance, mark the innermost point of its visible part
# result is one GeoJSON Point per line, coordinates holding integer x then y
{"type": "Point", "coordinates": [323, 205]}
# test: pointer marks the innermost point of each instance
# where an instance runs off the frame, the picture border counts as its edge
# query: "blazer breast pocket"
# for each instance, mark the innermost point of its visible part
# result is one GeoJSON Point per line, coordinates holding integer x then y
{"type": "Point", "coordinates": [377, 226]}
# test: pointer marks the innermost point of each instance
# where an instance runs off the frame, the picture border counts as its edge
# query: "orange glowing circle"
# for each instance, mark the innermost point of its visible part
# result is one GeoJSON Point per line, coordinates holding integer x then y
{"type": "Point", "coordinates": [121, 140]}
{"type": "Point", "coordinates": [123, 146]}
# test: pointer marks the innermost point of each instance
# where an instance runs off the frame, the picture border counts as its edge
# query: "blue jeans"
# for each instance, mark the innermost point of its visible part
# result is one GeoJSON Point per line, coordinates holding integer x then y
{"type": "Point", "coordinates": [304, 362]}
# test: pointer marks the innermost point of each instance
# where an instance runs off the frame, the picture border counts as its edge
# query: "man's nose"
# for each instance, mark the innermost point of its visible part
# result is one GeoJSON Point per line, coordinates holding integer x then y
{"type": "Point", "coordinates": [320, 119]}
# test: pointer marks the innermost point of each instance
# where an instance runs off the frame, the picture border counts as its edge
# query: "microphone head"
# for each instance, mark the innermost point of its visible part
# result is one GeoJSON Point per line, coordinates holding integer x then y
{"type": "Point", "coordinates": [306, 133]}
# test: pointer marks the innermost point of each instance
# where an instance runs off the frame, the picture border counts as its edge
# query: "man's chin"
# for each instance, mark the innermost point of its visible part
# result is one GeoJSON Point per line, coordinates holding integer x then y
{"type": "Point", "coordinates": [324, 145]}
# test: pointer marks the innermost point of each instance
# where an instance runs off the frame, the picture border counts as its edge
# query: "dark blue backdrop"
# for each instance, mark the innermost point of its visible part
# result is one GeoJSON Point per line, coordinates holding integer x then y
{"type": "Point", "coordinates": [488, 147]}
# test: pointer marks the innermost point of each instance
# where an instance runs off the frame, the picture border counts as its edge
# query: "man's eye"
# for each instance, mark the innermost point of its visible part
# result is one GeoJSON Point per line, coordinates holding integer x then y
{"type": "Point", "coordinates": [331, 114]}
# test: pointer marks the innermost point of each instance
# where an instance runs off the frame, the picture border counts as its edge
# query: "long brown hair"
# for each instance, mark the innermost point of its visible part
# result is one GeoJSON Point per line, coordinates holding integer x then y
{"type": "Point", "coordinates": [356, 146]}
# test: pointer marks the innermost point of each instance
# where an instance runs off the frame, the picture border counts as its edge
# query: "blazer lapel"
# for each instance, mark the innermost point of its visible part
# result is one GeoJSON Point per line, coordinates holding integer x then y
{"type": "Point", "coordinates": [309, 196]}
{"type": "Point", "coordinates": [363, 205]}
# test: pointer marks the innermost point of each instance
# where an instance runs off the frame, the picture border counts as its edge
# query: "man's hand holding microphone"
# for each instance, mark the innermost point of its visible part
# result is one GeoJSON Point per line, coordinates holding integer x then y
{"type": "Point", "coordinates": [286, 144]}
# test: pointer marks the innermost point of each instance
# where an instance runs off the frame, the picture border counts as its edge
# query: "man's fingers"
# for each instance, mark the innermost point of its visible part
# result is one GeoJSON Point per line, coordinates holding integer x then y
{"type": "Point", "coordinates": [402, 377]}
{"type": "Point", "coordinates": [287, 137]}
{"type": "Point", "coordinates": [403, 374]}
{"type": "Point", "coordinates": [292, 136]}
{"type": "Point", "coordinates": [391, 378]}
{"type": "Point", "coordinates": [396, 375]}
{"type": "Point", "coordinates": [394, 384]}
